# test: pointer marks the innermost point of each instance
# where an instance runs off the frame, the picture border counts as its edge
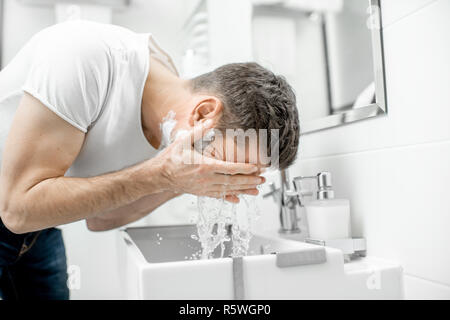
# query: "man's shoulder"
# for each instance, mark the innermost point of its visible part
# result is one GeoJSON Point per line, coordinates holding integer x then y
{"type": "Point", "coordinates": [82, 35]}
{"type": "Point", "coordinates": [74, 44]}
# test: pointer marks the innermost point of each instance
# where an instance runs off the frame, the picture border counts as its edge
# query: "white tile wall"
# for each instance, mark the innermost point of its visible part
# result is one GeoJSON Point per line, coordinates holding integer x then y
{"type": "Point", "coordinates": [395, 169]}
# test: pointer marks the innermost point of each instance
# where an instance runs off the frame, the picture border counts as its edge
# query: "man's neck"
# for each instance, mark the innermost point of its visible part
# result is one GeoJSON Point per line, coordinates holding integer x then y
{"type": "Point", "coordinates": [163, 92]}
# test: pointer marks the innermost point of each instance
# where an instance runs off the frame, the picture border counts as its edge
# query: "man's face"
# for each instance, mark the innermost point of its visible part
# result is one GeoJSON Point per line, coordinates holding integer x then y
{"type": "Point", "coordinates": [235, 146]}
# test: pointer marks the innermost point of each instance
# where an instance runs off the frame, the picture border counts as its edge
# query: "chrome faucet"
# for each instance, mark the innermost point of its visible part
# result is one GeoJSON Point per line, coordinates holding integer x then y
{"type": "Point", "coordinates": [289, 203]}
{"type": "Point", "coordinates": [290, 198]}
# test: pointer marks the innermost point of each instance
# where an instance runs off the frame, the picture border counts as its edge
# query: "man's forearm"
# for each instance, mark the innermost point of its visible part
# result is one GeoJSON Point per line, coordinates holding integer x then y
{"type": "Point", "coordinates": [61, 200]}
{"type": "Point", "coordinates": [129, 213]}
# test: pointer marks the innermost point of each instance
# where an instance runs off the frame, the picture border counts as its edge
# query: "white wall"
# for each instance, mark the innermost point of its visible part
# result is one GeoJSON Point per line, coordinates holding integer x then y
{"type": "Point", "coordinates": [163, 18]}
{"type": "Point", "coordinates": [395, 169]}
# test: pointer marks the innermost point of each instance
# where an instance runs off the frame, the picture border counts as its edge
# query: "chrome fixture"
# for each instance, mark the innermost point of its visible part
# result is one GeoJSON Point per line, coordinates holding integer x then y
{"type": "Point", "coordinates": [288, 201]}
{"type": "Point", "coordinates": [290, 197]}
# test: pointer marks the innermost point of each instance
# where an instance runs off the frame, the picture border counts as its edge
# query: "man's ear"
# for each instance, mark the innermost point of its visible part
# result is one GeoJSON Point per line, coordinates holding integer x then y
{"type": "Point", "coordinates": [207, 108]}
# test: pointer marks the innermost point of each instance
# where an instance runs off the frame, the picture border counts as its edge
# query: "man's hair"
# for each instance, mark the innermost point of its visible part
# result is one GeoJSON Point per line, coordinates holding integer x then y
{"type": "Point", "coordinates": [255, 98]}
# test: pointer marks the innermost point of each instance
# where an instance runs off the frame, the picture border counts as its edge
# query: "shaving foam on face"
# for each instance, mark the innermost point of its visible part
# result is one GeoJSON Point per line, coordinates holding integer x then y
{"type": "Point", "coordinates": [167, 125]}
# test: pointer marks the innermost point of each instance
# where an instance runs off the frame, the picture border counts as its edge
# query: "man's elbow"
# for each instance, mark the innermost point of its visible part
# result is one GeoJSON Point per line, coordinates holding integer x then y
{"type": "Point", "coordinates": [13, 221]}
{"type": "Point", "coordinates": [91, 225]}
{"type": "Point", "coordinates": [97, 225]}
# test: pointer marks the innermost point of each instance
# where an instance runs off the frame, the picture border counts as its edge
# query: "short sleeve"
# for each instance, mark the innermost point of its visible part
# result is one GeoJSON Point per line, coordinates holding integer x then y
{"type": "Point", "coordinates": [69, 75]}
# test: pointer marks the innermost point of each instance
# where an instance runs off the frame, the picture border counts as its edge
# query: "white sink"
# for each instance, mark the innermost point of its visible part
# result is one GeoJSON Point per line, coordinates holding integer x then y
{"type": "Point", "coordinates": [154, 263]}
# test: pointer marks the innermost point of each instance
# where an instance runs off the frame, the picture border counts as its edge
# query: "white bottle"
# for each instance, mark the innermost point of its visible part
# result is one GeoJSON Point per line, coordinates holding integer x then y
{"type": "Point", "coordinates": [327, 218]}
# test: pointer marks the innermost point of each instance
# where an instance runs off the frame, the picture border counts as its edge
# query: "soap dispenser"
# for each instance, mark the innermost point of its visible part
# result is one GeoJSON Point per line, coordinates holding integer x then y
{"type": "Point", "coordinates": [327, 217]}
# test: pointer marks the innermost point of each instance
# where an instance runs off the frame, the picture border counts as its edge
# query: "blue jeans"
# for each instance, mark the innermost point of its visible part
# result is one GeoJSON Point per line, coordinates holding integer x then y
{"type": "Point", "coordinates": [33, 265]}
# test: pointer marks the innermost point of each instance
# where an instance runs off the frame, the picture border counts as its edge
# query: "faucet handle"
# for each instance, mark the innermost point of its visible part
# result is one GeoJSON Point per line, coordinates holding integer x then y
{"type": "Point", "coordinates": [290, 199]}
{"type": "Point", "coordinates": [274, 191]}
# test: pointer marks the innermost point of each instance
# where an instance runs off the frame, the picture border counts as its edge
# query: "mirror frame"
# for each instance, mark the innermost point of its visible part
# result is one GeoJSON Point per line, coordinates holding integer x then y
{"type": "Point", "coordinates": [371, 110]}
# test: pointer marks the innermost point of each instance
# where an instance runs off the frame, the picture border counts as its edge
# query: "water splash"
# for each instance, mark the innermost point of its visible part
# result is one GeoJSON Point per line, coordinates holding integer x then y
{"type": "Point", "coordinates": [217, 216]}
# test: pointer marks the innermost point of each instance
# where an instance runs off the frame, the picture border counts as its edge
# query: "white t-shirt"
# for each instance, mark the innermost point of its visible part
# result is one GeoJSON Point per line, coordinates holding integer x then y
{"type": "Point", "coordinates": [91, 75]}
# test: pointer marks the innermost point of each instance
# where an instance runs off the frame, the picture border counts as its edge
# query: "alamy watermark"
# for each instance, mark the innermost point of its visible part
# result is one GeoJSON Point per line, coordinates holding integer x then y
{"type": "Point", "coordinates": [373, 281]}
{"type": "Point", "coordinates": [257, 146]}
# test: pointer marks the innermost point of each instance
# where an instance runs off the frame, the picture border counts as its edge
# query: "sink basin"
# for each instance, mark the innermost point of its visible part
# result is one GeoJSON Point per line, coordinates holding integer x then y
{"type": "Point", "coordinates": [159, 263]}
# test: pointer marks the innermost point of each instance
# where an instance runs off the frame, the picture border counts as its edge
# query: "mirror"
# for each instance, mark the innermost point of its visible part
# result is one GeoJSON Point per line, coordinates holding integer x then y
{"type": "Point", "coordinates": [330, 52]}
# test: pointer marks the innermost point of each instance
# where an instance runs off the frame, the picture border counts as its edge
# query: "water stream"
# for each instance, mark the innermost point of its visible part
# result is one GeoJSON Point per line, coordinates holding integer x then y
{"type": "Point", "coordinates": [217, 217]}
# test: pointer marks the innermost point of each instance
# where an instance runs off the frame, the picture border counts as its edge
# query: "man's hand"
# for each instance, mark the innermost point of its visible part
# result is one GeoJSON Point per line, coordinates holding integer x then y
{"type": "Point", "coordinates": [184, 170]}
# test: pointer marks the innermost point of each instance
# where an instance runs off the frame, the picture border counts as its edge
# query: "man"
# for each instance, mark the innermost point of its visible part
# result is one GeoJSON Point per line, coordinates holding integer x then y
{"type": "Point", "coordinates": [84, 110]}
